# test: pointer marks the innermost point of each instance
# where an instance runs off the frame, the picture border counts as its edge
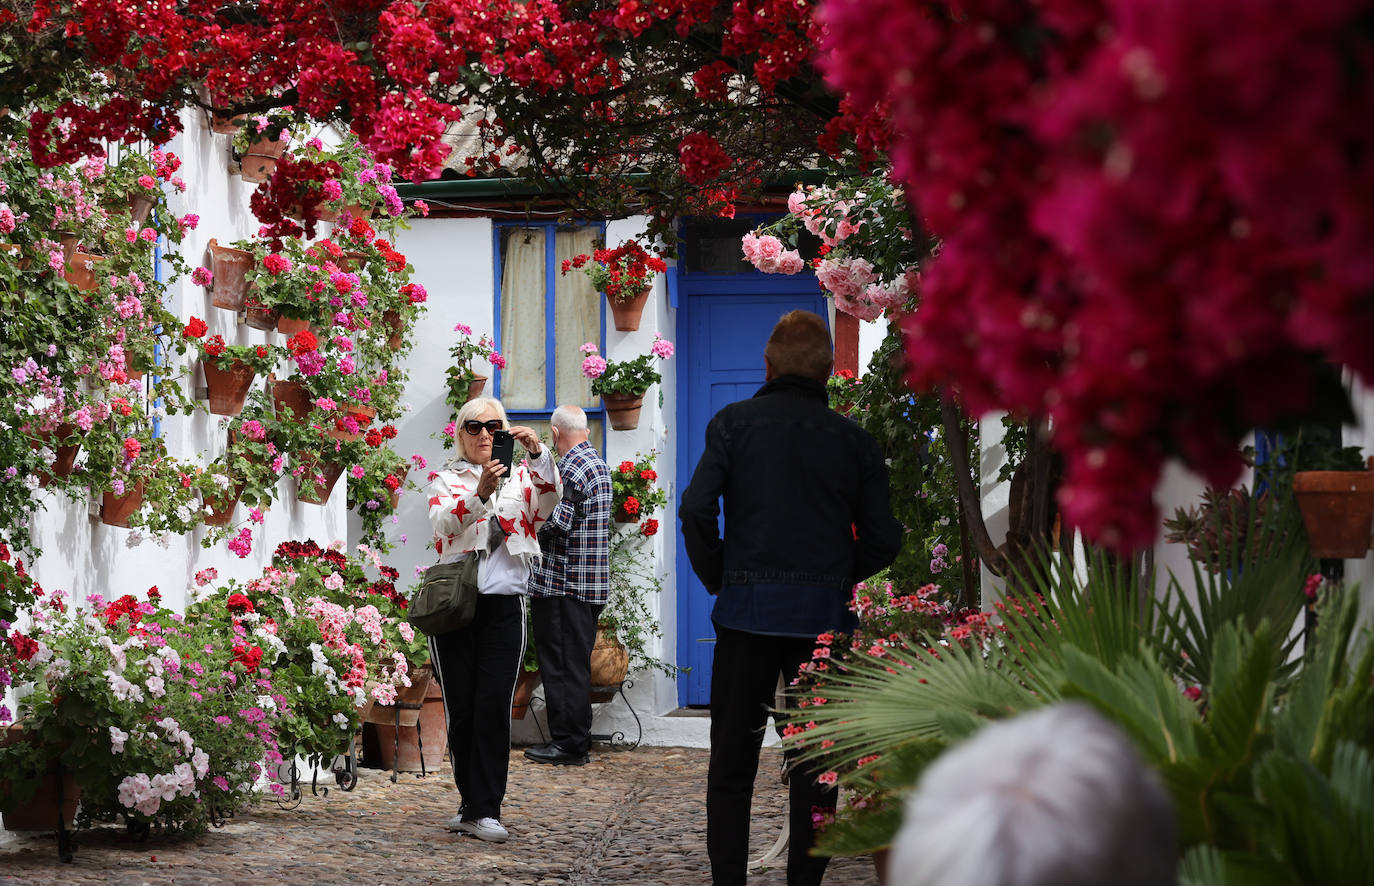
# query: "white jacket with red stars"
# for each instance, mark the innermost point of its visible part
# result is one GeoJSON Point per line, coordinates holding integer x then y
{"type": "Point", "coordinates": [521, 504]}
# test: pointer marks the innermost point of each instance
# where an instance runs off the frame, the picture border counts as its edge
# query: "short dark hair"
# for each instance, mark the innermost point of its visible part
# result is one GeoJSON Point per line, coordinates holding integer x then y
{"type": "Point", "coordinates": [800, 345]}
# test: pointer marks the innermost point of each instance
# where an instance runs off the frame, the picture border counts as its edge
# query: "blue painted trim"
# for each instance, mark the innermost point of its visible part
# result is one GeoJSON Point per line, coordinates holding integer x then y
{"type": "Point", "coordinates": [671, 281]}
{"type": "Point", "coordinates": [684, 470]}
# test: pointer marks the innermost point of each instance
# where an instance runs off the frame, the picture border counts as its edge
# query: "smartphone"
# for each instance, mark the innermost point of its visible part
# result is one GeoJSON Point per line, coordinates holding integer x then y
{"type": "Point", "coordinates": [503, 448]}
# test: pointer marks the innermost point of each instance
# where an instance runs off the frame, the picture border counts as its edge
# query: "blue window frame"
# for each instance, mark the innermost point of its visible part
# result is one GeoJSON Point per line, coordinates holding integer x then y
{"type": "Point", "coordinates": [533, 300]}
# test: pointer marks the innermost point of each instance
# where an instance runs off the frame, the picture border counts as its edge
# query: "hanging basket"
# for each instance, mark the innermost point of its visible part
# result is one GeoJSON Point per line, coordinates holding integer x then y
{"type": "Point", "coordinates": [260, 160]}
{"type": "Point", "coordinates": [292, 395]}
{"type": "Point", "coordinates": [610, 664]}
{"type": "Point", "coordinates": [475, 387]}
{"type": "Point", "coordinates": [230, 267]}
{"type": "Point", "coordinates": [258, 315]}
{"type": "Point", "coordinates": [395, 494]}
{"type": "Point", "coordinates": [308, 488]}
{"type": "Point", "coordinates": [363, 415]}
{"type": "Point", "coordinates": [226, 124]}
{"type": "Point", "coordinates": [115, 510]}
{"type": "Point", "coordinates": [65, 461]}
{"type": "Point", "coordinates": [227, 386]}
{"type": "Point", "coordinates": [623, 410]}
{"type": "Point", "coordinates": [81, 271]}
{"type": "Point", "coordinates": [627, 311]}
{"type": "Point", "coordinates": [1337, 510]}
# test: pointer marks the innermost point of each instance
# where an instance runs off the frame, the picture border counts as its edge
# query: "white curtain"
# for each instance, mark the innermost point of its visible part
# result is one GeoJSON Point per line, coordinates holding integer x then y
{"type": "Point", "coordinates": [522, 320]}
{"type": "Point", "coordinates": [577, 318]}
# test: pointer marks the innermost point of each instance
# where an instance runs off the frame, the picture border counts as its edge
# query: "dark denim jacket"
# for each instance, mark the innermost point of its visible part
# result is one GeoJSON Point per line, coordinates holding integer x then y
{"type": "Point", "coordinates": [807, 511]}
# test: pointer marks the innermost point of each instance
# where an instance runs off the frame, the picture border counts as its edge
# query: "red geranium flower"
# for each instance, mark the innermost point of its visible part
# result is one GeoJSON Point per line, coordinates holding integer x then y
{"type": "Point", "coordinates": [302, 342]}
{"type": "Point", "coordinates": [650, 527]}
{"type": "Point", "coordinates": [195, 329]}
{"type": "Point", "coordinates": [626, 467]}
{"type": "Point", "coordinates": [238, 603]}
{"type": "Point", "coordinates": [214, 345]}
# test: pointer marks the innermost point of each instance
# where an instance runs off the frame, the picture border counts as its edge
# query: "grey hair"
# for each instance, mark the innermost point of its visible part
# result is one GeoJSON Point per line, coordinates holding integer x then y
{"type": "Point", "coordinates": [569, 418]}
{"type": "Point", "coordinates": [470, 410]}
{"type": "Point", "coordinates": [1057, 797]}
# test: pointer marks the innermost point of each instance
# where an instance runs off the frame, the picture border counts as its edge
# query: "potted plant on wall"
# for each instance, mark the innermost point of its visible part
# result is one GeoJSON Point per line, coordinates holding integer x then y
{"type": "Point", "coordinates": [635, 493]}
{"type": "Point", "coordinates": [464, 382]}
{"type": "Point", "coordinates": [1335, 492]}
{"type": "Point", "coordinates": [622, 385]}
{"type": "Point", "coordinates": [625, 274]}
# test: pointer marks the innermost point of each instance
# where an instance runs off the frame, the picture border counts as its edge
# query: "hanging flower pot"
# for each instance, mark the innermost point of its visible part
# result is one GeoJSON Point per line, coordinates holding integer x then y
{"type": "Point", "coordinates": [260, 160]}
{"type": "Point", "coordinates": [115, 510]}
{"type": "Point", "coordinates": [221, 508]}
{"type": "Point", "coordinates": [395, 494]}
{"type": "Point", "coordinates": [292, 395]}
{"type": "Point", "coordinates": [65, 461]}
{"type": "Point", "coordinates": [392, 320]}
{"type": "Point", "coordinates": [139, 207]}
{"type": "Point", "coordinates": [291, 325]}
{"type": "Point", "coordinates": [475, 387]}
{"type": "Point", "coordinates": [623, 410]}
{"type": "Point", "coordinates": [627, 311]}
{"type": "Point", "coordinates": [227, 385]}
{"type": "Point", "coordinates": [258, 315]}
{"type": "Point", "coordinates": [1338, 511]}
{"type": "Point", "coordinates": [226, 124]}
{"type": "Point", "coordinates": [70, 244]}
{"type": "Point", "coordinates": [230, 268]}
{"type": "Point", "coordinates": [317, 479]}
{"type": "Point", "coordinates": [81, 271]}
{"type": "Point", "coordinates": [361, 414]}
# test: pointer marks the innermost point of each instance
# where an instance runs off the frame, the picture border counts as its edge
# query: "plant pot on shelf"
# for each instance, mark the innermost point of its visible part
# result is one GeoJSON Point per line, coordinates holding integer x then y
{"type": "Point", "coordinates": [610, 664]}
{"type": "Point", "coordinates": [227, 386]}
{"type": "Point", "coordinates": [230, 267]}
{"type": "Point", "coordinates": [627, 311]}
{"type": "Point", "coordinates": [260, 160]}
{"type": "Point", "coordinates": [53, 804]}
{"type": "Point", "coordinates": [115, 510]}
{"type": "Point", "coordinates": [1337, 510]}
{"type": "Point", "coordinates": [620, 515]}
{"type": "Point", "coordinates": [291, 325]}
{"type": "Point", "coordinates": [65, 460]}
{"type": "Point", "coordinates": [258, 315]}
{"type": "Point", "coordinates": [315, 491]}
{"type": "Point", "coordinates": [81, 271]}
{"type": "Point", "coordinates": [524, 692]}
{"type": "Point", "coordinates": [623, 410]}
{"type": "Point", "coordinates": [421, 729]}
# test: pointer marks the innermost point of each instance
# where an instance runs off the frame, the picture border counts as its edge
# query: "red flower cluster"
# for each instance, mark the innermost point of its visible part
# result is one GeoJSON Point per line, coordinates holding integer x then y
{"type": "Point", "coordinates": [25, 647]}
{"type": "Point", "coordinates": [649, 527]}
{"type": "Point", "coordinates": [702, 158]}
{"type": "Point", "coordinates": [239, 604]}
{"type": "Point", "coordinates": [297, 550]}
{"type": "Point", "coordinates": [125, 606]}
{"type": "Point", "coordinates": [248, 656]}
{"type": "Point", "coordinates": [302, 342]}
{"type": "Point", "coordinates": [195, 328]}
{"type": "Point", "coordinates": [214, 345]}
{"type": "Point", "coordinates": [1121, 251]}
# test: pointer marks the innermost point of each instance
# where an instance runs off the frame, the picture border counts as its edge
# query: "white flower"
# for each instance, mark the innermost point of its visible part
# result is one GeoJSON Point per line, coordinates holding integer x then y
{"type": "Point", "coordinates": [155, 687]}
{"type": "Point", "coordinates": [267, 703]}
{"type": "Point", "coordinates": [134, 539]}
{"type": "Point", "coordinates": [123, 689]}
{"type": "Point", "coordinates": [117, 739]}
{"type": "Point", "coordinates": [201, 761]}
{"type": "Point", "coordinates": [341, 720]}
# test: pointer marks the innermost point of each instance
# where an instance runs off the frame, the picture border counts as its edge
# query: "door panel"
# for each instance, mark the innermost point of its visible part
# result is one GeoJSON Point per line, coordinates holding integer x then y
{"type": "Point", "coordinates": [724, 326]}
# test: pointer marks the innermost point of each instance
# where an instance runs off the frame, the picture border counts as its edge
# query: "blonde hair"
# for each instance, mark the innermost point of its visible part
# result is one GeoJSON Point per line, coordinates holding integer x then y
{"type": "Point", "coordinates": [469, 412]}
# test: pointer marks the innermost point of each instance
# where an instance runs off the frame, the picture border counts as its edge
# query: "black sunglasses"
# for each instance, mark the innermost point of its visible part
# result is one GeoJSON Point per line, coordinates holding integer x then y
{"type": "Point", "coordinates": [474, 427]}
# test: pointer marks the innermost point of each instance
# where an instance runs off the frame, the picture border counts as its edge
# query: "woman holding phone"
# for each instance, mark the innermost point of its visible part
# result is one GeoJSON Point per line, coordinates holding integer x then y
{"type": "Point", "coordinates": [482, 507]}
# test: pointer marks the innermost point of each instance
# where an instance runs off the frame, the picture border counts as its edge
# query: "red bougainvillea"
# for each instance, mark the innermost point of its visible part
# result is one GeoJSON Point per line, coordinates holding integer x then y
{"type": "Point", "coordinates": [1154, 217]}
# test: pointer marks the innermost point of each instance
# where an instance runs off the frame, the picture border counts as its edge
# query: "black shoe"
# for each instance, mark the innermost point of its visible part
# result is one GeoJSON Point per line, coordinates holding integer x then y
{"type": "Point", "coordinates": [552, 753]}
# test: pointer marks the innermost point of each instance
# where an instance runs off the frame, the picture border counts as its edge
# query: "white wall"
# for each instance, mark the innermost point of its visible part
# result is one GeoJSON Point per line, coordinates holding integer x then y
{"type": "Point", "coordinates": [83, 555]}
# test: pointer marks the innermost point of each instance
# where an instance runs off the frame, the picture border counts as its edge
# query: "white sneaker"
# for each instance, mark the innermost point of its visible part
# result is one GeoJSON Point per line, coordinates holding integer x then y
{"type": "Point", "coordinates": [488, 829]}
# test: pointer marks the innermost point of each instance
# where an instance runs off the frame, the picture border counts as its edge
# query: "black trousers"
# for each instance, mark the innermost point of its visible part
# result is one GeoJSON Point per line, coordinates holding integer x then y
{"type": "Point", "coordinates": [564, 633]}
{"type": "Point", "coordinates": [477, 667]}
{"type": "Point", "coordinates": [744, 681]}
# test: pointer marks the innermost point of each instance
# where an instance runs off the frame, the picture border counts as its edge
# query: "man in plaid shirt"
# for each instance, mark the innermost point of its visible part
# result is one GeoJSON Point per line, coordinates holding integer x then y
{"type": "Point", "coordinates": [569, 585]}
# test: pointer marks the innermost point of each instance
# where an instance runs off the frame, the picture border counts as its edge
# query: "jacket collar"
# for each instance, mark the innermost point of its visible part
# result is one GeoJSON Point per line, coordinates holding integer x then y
{"type": "Point", "coordinates": [797, 386]}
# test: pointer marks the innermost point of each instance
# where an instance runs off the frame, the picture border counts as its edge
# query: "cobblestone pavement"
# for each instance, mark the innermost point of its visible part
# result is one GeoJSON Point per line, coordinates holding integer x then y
{"type": "Point", "coordinates": [629, 817]}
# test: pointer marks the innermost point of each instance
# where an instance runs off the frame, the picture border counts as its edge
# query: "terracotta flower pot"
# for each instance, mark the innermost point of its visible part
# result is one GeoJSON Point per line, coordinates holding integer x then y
{"type": "Point", "coordinates": [230, 267]}
{"type": "Point", "coordinates": [425, 732]}
{"type": "Point", "coordinates": [260, 160]}
{"type": "Point", "coordinates": [65, 460]}
{"type": "Point", "coordinates": [627, 311]}
{"type": "Point", "coordinates": [395, 495]}
{"type": "Point", "coordinates": [81, 271]}
{"type": "Point", "coordinates": [610, 660]}
{"type": "Point", "coordinates": [475, 387]}
{"type": "Point", "coordinates": [313, 491]}
{"type": "Point", "coordinates": [392, 320]}
{"type": "Point", "coordinates": [226, 124]}
{"type": "Point", "coordinates": [623, 410]}
{"type": "Point", "coordinates": [222, 508]}
{"type": "Point", "coordinates": [524, 691]}
{"type": "Point", "coordinates": [227, 385]}
{"type": "Point", "coordinates": [70, 244]}
{"type": "Point", "coordinates": [139, 207]}
{"type": "Point", "coordinates": [259, 315]}
{"type": "Point", "coordinates": [292, 395]}
{"type": "Point", "coordinates": [362, 414]}
{"type": "Point", "coordinates": [1338, 511]}
{"type": "Point", "coordinates": [44, 810]}
{"type": "Point", "coordinates": [291, 325]}
{"type": "Point", "coordinates": [115, 510]}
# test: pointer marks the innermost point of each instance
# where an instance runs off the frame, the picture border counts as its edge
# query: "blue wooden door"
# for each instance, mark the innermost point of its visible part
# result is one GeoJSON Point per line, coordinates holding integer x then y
{"type": "Point", "coordinates": [724, 324]}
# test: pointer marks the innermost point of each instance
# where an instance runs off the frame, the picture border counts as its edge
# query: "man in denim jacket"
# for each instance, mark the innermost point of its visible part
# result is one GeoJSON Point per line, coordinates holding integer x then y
{"type": "Point", "coordinates": [807, 516]}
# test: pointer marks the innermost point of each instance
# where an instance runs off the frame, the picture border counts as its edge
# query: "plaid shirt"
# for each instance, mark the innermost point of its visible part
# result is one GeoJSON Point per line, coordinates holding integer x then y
{"type": "Point", "coordinates": [575, 542]}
